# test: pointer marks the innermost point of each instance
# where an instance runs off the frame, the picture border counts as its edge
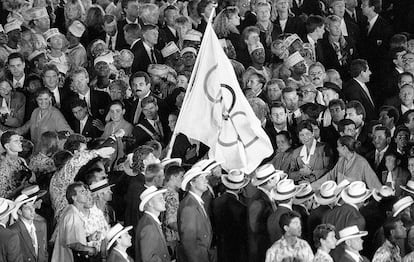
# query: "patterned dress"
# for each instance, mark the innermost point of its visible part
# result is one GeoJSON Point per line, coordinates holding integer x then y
{"type": "Point", "coordinates": [95, 221]}
{"type": "Point", "coordinates": [387, 253]}
{"type": "Point", "coordinates": [43, 166]}
{"type": "Point", "coordinates": [281, 250]}
{"type": "Point", "coordinates": [62, 178]}
{"type": "Point", "coordinates": [10, 177]}
{"type": "Point", "coordinates": [171, 206]}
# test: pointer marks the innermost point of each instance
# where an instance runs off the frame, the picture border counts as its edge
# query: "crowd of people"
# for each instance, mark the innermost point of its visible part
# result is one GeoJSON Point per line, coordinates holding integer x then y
{"type": "Point", "coordinates": [90, 93]}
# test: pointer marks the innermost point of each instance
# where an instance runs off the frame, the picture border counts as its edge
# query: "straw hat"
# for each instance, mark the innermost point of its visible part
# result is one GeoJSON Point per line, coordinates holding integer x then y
{"type": "Point", "coordinates": [401, 204]}
{"type": "Point", "coordinates": [20, 201]}
{"type": "Point", "coordinates": [235, 179]}
{"type": "Point", "coordinates": [190, 174]}
{"type": "Point", "coordinates": [409, 187]}
{"type": "Point", "coordinates": [12, 25]}
{"type": "Point", "coordinates": [294, 59]}
{"type": "Point", "coordinates": [188, 49]}
{"type": "Point", "coordinates": [34, 190]}
{"type": "Point", "coordinates": [51, 33]}
{"type": "Point", "coordinates": [6, 207]}
{"type": "Point", "coordinates": [114, 233]}
{"type": "Point", "coordinates": [305, 192]}
{"type": "Point", "coordinates": [355, 193]}
{"type": "Point", "coordinates": [265, 173]}
{"type": "Point", "coordinates": [100, 185]}
{"type": "Point", "coordinates": [167, 161]}
{"type": "Point", "coordinates": [349, 233]}
{"type": "Point", "coordinates": [384, 191]}
{"type": "Point", "coordinates": [285, 189]}
{"type": "Point", "coordinates": [148, 194]}
{"type": "Point", "coordinates": [207, 164]}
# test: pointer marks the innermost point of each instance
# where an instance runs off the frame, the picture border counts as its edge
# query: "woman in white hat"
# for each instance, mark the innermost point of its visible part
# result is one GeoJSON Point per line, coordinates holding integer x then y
{"type": "Point", "coordinates": [325, 241]}
{"type": "Point", "coordinates": [119, 240]}
{"type": "Point", "coordinates": [230, 217]}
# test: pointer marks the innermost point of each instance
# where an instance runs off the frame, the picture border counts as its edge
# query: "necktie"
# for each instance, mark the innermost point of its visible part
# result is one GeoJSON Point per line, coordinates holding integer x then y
{"type": "Point", "coordinates": [34, 239]}
{"type": "Point", "coordinates": [377, 159]}
{"type": "Point", "coordinates": [158, 128]}
{"type": "Point", "coordinates": [354, 16]}
{"type": "Point", "coordinates": [153, 58]}
{"type": "Point", "coordinates": [137, 113]}
{"type": "Point", "coordinates": [110, 43]}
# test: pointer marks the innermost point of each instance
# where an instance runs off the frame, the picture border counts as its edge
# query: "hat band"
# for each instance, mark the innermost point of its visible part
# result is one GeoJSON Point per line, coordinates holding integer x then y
{"type": "Point", "coordinates": [356, 196]}
{"type": "Point", "coordinates": [209, 165]}
{"type": "Point", "coordinates": [265, 177]}
{"type": "Point", "coordinates": [100, 187]}
{"type": "Point", "coordinates": [326, 197]}
{"type": "Point", "coordinates": [305, 196]}
{"type": "Point", "coordinates": [286, 193]}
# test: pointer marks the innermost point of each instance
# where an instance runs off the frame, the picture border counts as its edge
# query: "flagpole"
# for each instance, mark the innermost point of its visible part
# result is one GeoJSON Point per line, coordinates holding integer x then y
{"type": "Point", "coordinates": [190, 82]}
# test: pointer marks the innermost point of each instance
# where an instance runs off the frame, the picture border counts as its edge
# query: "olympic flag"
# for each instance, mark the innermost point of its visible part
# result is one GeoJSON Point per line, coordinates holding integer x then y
{"type": "Point", "coordinates": [216, 112]}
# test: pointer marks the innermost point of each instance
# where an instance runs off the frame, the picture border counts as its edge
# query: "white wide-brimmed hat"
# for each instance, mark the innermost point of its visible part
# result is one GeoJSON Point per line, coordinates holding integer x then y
{"type": "Point", "coordinates": [384, 191]}
{"type": "Point", "coordinates": [409, 187]}
{"type": "Point", "coordinates": [327, 194]}
{"type": "Point", "coordinates": [148, 194]}
{"type": "Point", "coordinates": [207, 164]}
{"type": "Point", "coordinates": [285, 189]}
{"type": "Point", "coordinates": [401, 204]}
{"type": "Point", "coordinates": [32, 191]}
{"type": "Point", "coordinates": [20, 201]}
{"type": "Point", "coordinates": [100, 185]}
{"type": "Point", "coordinates": [6, 207]}
{"type": "Point", "coordinates": [349, 233]}
{"type": "Point", "coordinates": [114, 233]}
{"type": "Point", "coordinates": [190, 174]}
{"type": "Point", "coordinates": [355, 193]}
{"type": "Point", "coordinates": [264, 173]}
{"type": "Point", "coordinates": [305, 192]}
{"type": "Point", "coordinates": [235, 179]}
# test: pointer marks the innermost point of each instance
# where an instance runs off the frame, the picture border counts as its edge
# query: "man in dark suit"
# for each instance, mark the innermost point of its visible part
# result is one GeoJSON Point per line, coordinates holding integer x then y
{"type": "Point", "coordinates": [392, 74]}
{"type": "Point", "coordinates": [168, 33]}
{"type": "Point", "coordinates": [307, 7]}
{"type": "Point", "coordinates": [114, 37]}
{"type": "Point", "coordinates": [357, 89]}
{"type": "Point", "coordinates": [32, 232]}
{"type": "Point", "coordinates": [9, 240]}
{"type": "Point", "coordinates": [16, 65]}
{"type": "Point", "coordinates": [194, 225]}
{"type": "Point", "coordinates": [84, 124]}
{"type": "Point", "coordinates": [284, 200]}
{"type": "Point", "coordinates": [353, 13]}
{"type": "Point", "coordinates": [97, 101]}
{"type": "Point", "coordinates": [381, 138]}
{"type": "Point", "coordinates": [150, 242]}
{"type": "Point", "coordinates": [130, 7]}
{"type": "Point", "coordinates": [152, 127]}
{"type": "Point", "coordinates": [375, 37]}
{"type": "Point", "coordinates": [259, 210]}
{"type": "Point", "coordinates": [351, 240]}
{"type": "Point", "coordinates": [230, 218]}
{"type": "Point", "coordinates": [144, 50]}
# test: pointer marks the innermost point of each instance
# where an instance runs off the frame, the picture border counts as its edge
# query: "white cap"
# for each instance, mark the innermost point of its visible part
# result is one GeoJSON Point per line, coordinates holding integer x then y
{"type": "Point", "coordinates": [51, 33]}
{"type": "Point", "coordinates": [189, 49]}
{"type": "Point", "coordinates": [293, 59]}
{"type": "Point", "coordinates": [12, 25]}
{"type": "Point", "coordinates": [38, 12]}
{"type": "Point", "coordinates": [169, 49]}
{"type": "Point", "coordinates": [107, 58]}
{"type": "Point", "coordinates": [77, 28]}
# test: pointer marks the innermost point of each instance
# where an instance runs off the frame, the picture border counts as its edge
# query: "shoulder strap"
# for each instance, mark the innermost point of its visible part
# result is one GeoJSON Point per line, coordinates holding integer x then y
{"type": "Point", "coordinates": [146, 130]}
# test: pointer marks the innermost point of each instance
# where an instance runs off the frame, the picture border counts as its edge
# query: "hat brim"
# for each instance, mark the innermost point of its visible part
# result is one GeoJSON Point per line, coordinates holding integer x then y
{"type": "Point", "coordinates": [21, 203]}
{"type": "Point", "coordinates": [148, 198]}
{"type": "Point", "coordinates": [258, 182]}
{"type": "Point", "coordinates": [116, 236]}
{"type": "Point", "coordinates": [11, 207]}
{"type": "Point", "coordinates": [354, 200]}
{"type": "Point", "coordinates": [399, 210]}
{"type": "Point", "coordinates": [39, 193]}
{"type": "Point", "coordinates": [190, 176]}
{"type": "Point", "coordinates": [405, 188]}
{"type": "Point", "coordinates": [298, 201]}
{"type": "Point", "coordinates": [105, 187]}
{"type": "Point", "coordinates": [231, 185]}
{"type": "Point", "coordinates": [177, 161]}
{"type": "Point", "coordinates": [325, 201]}
{"type": "Point", "coordinates": [359, 234]}
{"type": "Point", "coordinates": [277, 196]}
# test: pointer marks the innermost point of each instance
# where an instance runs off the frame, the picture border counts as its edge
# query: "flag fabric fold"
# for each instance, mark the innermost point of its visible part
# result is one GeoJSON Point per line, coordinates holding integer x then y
{"type": "Point", "coordinates": [216, 112]}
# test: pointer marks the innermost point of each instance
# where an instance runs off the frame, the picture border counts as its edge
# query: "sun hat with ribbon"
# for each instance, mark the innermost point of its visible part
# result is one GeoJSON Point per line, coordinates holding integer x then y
{"type": "Point", "coordinates": [401, 204]}
{"type": "Point", "coordinates": [235, 179]}
{"type": "Point", "coordinates": [355, 193]}
{"type": "Point", "coordinates": [305, 192]}
{"type": "Point", "coordinates": [265, 173]}
{"type": "Point", "coordinates": [114, 233]}
{"type": "Point", "coordinates": [285, 189]}
{"type": "Point", "coordinates": [190, 174]}
{"type": "Point", "coordinates": [349, 233]}
{"type": "Point", "coordinates": [6, 207]}
{"type": "Point", "coordinates": [148, 194]}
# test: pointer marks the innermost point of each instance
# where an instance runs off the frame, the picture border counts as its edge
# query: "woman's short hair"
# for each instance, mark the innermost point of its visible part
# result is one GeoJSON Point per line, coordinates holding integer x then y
{"type": "Point", "coordinates": [321, 232]}
{"type": "Point", "coordinates": [49, 142]}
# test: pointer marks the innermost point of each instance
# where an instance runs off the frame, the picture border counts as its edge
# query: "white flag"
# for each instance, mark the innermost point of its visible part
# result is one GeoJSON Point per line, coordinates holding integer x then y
{"type": "Point", "coordinates": [216, 112]}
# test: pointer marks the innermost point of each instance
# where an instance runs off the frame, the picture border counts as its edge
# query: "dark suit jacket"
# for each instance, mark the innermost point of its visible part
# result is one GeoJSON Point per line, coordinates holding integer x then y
{"type": "Point", "coordinates": [344, 216]}
{"type": "Point", "coordinates": [141, 58]}
{"type": "Point", "coordinates": [273, 228]}
{"type": "Point", "coordinates": [89, 130]}
{"type": "Point", "coordinates": [315, 219]}
{"type": "Point", "coordinates": [320, 162]}
{"type": "Point", "coordinates": [120, 40]}
{"type": "Point", "coordinates": [309, 7]}
{"type": "Point", "coordinates": [195, 232]}
{"type": "Point", "coordinates": [259, 210]}
{"type": "Point", "coordinates": [345, 257]}
{"type": "Point", "coordinates": [132, 199]}
{"type": "Point", "coordinates": [9, 246]}
{"type": "Point", "coordinates": [304, 215]}
{"type": "Point", "coordinates": [99, 105]}
{"type": "Point", "coordinates": [27, 249]}
{"type": "Point", "coordinates": [150, 244]}
{"type": "Point", "coordinates": [230, 217]}
{"type": "Point", "coordinates": [352, 90]}
{"type": "Point", "coordinates": [381, 167]}
{"type": "Point", "coordinates": [141, 136]}
{"type": "Point", "coordinates": [361, 20]}
{"type": "Point", "coordinates": [294, 25]}
{"type": "Point", "coordinates": [115, 256]}
{"type": "Point", "coordinates": [326, 54]}
{"type": "Point", "coordinates": [165, 36]}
